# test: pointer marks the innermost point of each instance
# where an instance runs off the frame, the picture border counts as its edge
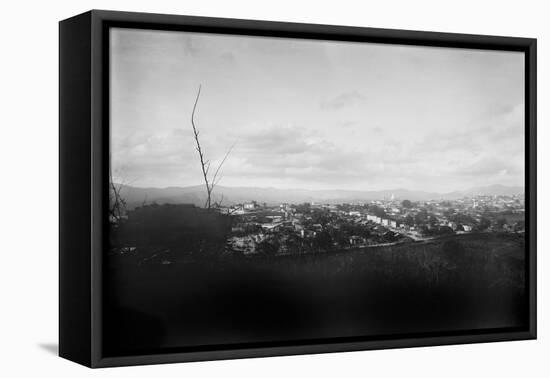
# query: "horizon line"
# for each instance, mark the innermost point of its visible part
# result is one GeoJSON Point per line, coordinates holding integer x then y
{"type": "Point", "coordinates": [327, 190]}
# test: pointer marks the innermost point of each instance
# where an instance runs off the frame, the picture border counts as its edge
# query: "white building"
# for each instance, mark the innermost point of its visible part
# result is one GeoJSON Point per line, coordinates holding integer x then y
{"type": "Point", "coordinates": [249, 206]}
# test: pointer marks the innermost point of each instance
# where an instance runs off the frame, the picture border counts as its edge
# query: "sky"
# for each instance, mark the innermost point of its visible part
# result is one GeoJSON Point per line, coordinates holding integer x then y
{"type": "Point", "coordinates": [314, 114]}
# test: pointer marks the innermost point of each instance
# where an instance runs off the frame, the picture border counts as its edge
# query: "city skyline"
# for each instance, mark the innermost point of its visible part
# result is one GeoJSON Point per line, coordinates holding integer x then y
{"type": "Point", "coordinates": [318, 115]}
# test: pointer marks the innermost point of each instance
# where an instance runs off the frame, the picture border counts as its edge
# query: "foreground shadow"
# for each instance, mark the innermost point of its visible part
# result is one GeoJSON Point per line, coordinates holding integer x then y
{"type": "Point", "coordinates": [51, 348]}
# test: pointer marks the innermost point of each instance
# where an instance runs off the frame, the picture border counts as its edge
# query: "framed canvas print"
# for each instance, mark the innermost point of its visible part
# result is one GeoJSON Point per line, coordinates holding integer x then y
{"type": "Point", "coordinates": [234, 188]}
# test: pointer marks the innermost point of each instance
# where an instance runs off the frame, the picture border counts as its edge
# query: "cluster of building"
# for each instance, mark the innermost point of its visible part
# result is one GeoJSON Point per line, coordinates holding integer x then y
{"type": "Point", "coordinates": [309, 227]}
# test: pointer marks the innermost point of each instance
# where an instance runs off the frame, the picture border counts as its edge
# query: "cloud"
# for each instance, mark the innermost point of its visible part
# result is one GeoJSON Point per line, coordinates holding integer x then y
{"type": "Point", "coordinates": [275, 140]}
{"type": "Point", "coordinates": [347, 124]}
{"type": "Point", "coordinates": [342, 100]}
{"type": "Point", "coordinates": [299, 155]}
{"type": "Point", "coordinates": [227, 56]}
{"type": "Point", "coordinates": [444, 143]}
{"type": "Point", "coordinates": [190, 46]}
{"type": "Point", "coordinates": [491, 166]}
{"type": "Point", "coordinates": [431, 127]}
{"type": "Point", "coordinates": [159, 156]}
{"type": "Point", "coordinates": [499, 110]}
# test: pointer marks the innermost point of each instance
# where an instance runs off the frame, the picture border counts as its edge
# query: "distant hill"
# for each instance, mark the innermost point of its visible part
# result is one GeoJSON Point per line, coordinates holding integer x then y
{"type": "Point", "coordinates": [135, 196]}
{"type": "Point", "coordinates": [492, 190]}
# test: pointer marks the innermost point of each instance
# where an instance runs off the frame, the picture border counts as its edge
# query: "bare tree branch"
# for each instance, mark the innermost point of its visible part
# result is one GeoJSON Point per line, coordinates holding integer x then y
{"type": "Point", "coordinates": [214, 182]}
{"type": "Point", "coordinates": [206, 164]}
{"type": "Point", "coordinates": [117, 204]}
{"type": "Point", "coordinates": [199, 150]}
{"type": "Point", "coordinates": [219, 203]}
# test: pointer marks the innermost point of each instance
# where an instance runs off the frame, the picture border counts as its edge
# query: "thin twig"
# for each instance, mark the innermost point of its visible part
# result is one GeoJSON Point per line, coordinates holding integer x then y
{"type": "Point", "coordinates": [214, 182]}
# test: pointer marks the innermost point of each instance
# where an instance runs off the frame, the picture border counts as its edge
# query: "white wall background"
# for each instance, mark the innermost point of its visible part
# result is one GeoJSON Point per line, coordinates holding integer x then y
{"type": "Point", "coordinates": [29, 189]}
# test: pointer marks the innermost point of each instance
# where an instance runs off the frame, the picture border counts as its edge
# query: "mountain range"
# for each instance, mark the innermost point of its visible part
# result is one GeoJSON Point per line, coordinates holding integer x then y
{"type": "Point", "coordinates": [136, 196]}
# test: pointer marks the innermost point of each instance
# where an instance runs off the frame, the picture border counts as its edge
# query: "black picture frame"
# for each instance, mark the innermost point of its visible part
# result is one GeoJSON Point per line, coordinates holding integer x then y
{"type": "Point", "coordinates": [84, 160]}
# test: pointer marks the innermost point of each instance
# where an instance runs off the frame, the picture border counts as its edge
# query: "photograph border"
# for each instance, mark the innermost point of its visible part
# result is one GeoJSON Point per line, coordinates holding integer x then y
{"type": "Point", "coordinates": [84, 165]}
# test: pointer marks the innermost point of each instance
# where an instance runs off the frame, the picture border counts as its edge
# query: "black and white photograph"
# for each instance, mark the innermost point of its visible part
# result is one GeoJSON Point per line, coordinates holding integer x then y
{"type": "Point", "coordinates": [266, 190]}
{"type": "Point", "coordinates": [272, 189]}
